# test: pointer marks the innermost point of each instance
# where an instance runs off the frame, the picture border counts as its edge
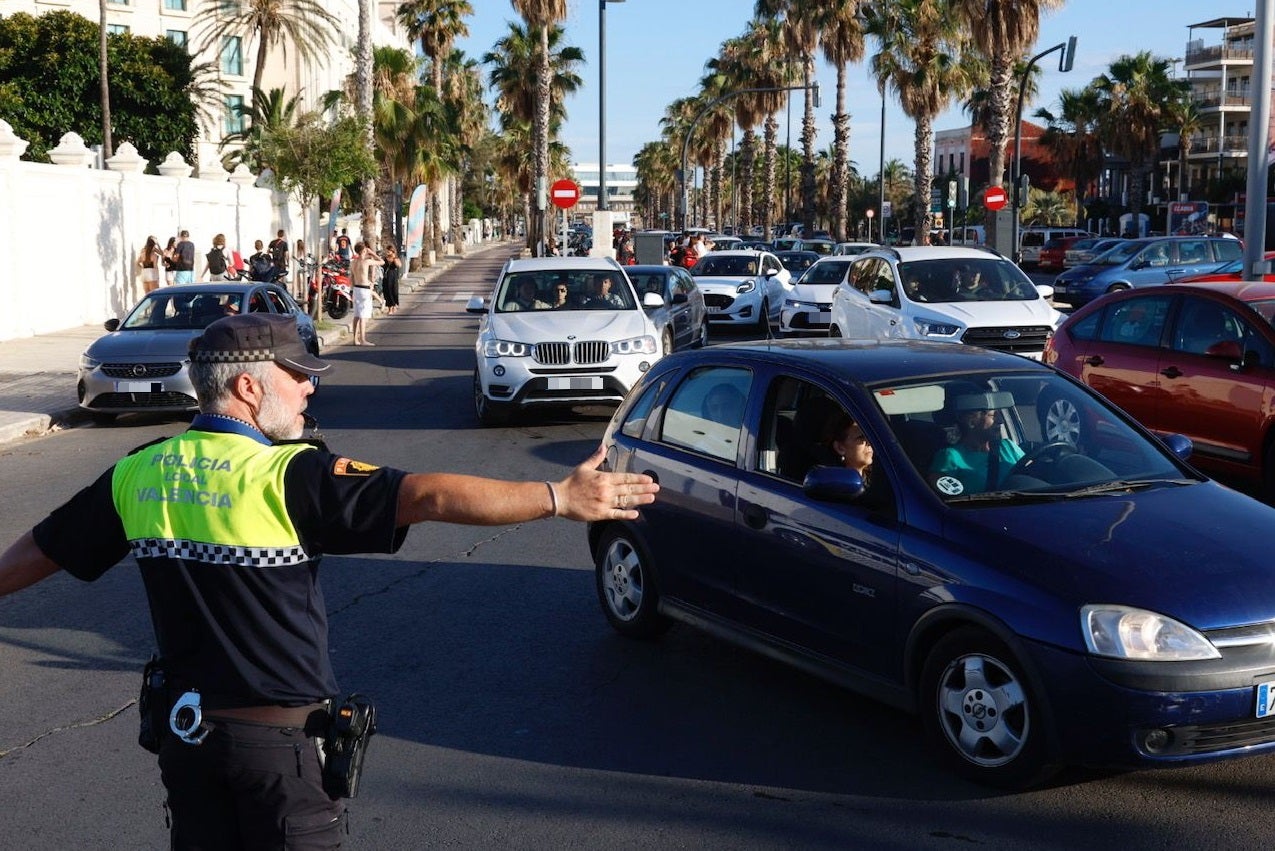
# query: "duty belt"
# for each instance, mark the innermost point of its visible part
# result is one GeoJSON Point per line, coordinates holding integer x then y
{"type": "Point", "coordinates": [272, 716]}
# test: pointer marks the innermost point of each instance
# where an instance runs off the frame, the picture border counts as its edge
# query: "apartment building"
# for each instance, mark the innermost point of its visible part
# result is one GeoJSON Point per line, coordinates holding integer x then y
{"type": "Point", "coordinates": [621, 184]}
{"type": "Point", "coordinates": [182, 21]}
{"type": "Point", "coordinates": [1221, 76]}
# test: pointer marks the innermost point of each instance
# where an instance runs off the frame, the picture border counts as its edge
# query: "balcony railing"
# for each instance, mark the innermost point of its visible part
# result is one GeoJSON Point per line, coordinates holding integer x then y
{"type": "Point", "coordinates": [1213, 98]}
{"type": "Point", "coordinates": [1217, 53]}
{"type": "Point", "coordinates": [1229, 144]}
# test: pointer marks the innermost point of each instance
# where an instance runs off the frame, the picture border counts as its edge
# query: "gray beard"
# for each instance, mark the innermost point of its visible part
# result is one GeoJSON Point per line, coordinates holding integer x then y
{"type": "Point", "coordinates": [276, 422]}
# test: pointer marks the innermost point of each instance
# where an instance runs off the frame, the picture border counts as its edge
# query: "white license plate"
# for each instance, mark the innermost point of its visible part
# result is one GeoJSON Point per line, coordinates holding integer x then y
{"type": "Point", "coordinates": [825, 317]}
{"type": "Point", "coordinates": [712, 309]}
{"type": "Point", "coordinates": [576, 382]}
{"type": "Point", "coordinates": [1060, 288]}
{"type": "Point", "coordinates": [1265, 700]}
{"type": "Point", "coordinates": [139, 387]}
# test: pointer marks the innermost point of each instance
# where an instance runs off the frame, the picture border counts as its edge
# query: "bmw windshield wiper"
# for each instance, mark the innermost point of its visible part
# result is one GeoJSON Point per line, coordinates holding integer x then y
{"type": "Point", "coordinates": [1126, 485]}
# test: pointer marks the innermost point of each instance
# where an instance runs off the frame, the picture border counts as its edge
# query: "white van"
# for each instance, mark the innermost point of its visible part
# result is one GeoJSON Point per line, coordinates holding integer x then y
{"type": "Point", "coordinates": [945, 293]}
{"type": "Point", "coordinates": [1031, 240]}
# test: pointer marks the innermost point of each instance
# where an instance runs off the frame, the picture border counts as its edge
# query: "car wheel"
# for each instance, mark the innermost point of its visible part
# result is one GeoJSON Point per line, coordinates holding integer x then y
{"type": "Point", "coordinates": [703, 336]}
{"type": "Point", "coordinates": [1117, 288]}
{"type": "Point", "coordinates": [489, 413]}
{"type": "Point", "coordinates": [626, 588]}
{"type": "Point", "coordinates": [980, 712]}
{"type": "Point", "coordinates": [666, 342]}
{"type": "Point", "coordinates": [1060, 421]}
{"type": "Point", "coordinates": [834, 331]}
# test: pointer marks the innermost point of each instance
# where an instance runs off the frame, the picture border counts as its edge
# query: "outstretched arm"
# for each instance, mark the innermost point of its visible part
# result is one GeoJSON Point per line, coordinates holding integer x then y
{"type": "Point", "coordinates": [587, 494]}
{"type": "Point", "coordinates": [24, 564]}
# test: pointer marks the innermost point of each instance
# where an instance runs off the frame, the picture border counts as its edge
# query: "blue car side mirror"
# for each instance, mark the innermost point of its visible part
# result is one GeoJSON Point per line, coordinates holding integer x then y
{"type": "Point", "coordinates": [835, 484]}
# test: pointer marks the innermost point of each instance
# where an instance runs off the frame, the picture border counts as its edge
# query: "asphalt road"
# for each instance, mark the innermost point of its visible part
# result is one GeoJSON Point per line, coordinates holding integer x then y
{"type": "Point", "coordinates": [510, 715]}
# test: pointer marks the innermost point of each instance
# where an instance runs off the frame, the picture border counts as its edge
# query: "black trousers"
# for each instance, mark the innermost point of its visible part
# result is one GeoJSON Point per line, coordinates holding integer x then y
{"type": "Point", "coordinates": [249, 786]}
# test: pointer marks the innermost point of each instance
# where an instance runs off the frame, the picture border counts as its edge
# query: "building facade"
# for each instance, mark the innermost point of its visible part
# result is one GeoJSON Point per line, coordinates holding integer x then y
{"type": "Point", "coordinates": [621, 184]}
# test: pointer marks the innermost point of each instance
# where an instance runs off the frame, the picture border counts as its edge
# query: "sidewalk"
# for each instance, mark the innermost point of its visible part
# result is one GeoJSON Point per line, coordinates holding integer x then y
{"type": "Point", "coordinates": [38, 374]}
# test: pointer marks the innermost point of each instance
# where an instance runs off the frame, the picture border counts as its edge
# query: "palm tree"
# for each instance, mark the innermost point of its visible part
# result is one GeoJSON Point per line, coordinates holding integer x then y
{"type": "Point", "coordinates": [1071, 137]}
{"type": "Point", "coordinates": [921, 49]}
{"type": "Point", "coordinates": [463, 96]}
{"type": "Point", "coordinates": [518, 96]}
{"type": "Point", "coordinates": [306, 25]}
{"type": "Point", "coordinates": [541, 15]}
{"type": "Point", "coordinates": [1137, 97]}
{"type": "Point", "coordinates": [436, 24]}
{"type": "Point", "coordinates": [267, 111]}
{"type": "Point", "coordinates": [1002, 31]}
{"type": "Point", "coordinates": [363, 108]}
{"type": "Point", "coordinates": [842, 44]}
{"type": "Point", "coordinates": [801, 21]}
{"type": "Point", "coordinates": [1188, 121]}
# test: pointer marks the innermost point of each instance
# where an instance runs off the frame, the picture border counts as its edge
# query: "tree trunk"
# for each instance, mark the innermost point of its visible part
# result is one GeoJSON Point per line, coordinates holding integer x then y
{"type": "Point", "coordinates": [840, 177]}
{"type": "Point", "coordinates": [363, 82]}
{"type": "Point", "coordinates": [543, 94]}
{"type": "Point", "coordinates": [768, 176]}
{"type": "Point", "coordinates": [748, 157]}
{"type": "Point", "coordinates": [922, 181]}
{"type": "Point", "coordinates": [1002, 110]}
{"type": "Point", "coordinates": [808, 151]}
{"type": "Point", "coordinates": [457, 211]}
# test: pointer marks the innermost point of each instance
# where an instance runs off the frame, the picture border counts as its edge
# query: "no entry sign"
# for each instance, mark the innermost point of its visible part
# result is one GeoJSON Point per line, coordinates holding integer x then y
{"type": "Point", "coordinates": [564, 193]}
{"type": "Point", "coordinates": [995, 198]}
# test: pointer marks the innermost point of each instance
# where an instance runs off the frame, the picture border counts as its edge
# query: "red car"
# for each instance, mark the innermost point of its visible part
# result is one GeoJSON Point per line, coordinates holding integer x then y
{"type": "Point", "coordinates": [1053, 252]}
{"type": "Point", "coordinates": [1232, 271]}
{"type": "Point", "coordinates": [1192, 359]}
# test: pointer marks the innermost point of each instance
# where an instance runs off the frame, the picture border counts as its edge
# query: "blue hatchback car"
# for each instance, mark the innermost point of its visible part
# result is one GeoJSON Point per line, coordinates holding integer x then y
{"type": "Point", "coordinates": [1142, 263]}
{"type": "Point", "coordinates": [1035, 603]}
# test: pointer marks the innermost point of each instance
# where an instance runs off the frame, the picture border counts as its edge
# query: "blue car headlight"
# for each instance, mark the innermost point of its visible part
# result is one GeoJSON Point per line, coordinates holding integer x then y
{"type": "Point", "coordinates": [935, 328]}
{"type": "Point", "coordinates": [507, 349]}
{"type": "Point", "coordinates": [644, 345]}
{"type": "Point", "coordinates": [1122, 632]}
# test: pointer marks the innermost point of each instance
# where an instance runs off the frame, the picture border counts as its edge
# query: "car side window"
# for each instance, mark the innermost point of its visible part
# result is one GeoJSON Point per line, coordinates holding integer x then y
{"type": "Point", "coordinates": [794, 433]}
{"type": "Point", "coordinates": [1203, 324]}
{"type": "Point", "coordinates": [1193, 251]}
{"type": "Point", "coordinates": [277, 302]}
{"type": "Point", "coordinates": [884, 278]}
{"type": "Point", "coordinates": [635, 420]}
{"type": "Point", "coordinates": [1157, 254]}
{"type": "Point", "coordinates": [862, 273]}
{"type": "Point", "coordinates": [706, 412]}
{"type": "Point", "coordinates": [1086, 328]}
{"type": "Point", "coordinates": [1227, 249]}
{"type": "Point", "coordinates": [1136, 322]}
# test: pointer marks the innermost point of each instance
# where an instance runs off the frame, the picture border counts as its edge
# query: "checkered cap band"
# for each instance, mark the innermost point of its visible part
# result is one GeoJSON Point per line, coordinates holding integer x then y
{"type": "Point", "coordinates": [249, 356]}
{"type": "Point", "coordinates": [218, 553]}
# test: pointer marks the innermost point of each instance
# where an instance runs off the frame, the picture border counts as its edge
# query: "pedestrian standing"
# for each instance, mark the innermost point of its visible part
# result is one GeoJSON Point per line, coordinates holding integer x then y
{"type": "Point", "coordinates": [184, 259]}
{"type": "Point", "coordinates": [227, 522]}
{"type": "Point", "coordinates": [362, 262]}
{"type": "Point", "coordinates": [151, 261]}
{"type": "Point", "coordinates": [215, 261]}
{"type": "Point", "coordinates": [278, 249]}
{"type": "Point", "coordinates": [389, 279]}
{"type": "Point", "coordinates": [170, 260]}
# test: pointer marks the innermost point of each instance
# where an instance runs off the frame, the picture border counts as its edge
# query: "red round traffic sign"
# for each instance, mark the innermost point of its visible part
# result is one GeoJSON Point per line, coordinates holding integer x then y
{"type": "Point", "coordinates": [564, 193]}
{"type": "Point", "coordinates": [995, 198]}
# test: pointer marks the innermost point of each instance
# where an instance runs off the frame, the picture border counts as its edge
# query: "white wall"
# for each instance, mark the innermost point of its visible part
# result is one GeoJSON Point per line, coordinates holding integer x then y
{"type": "Point", "coordinates": [72, 232]}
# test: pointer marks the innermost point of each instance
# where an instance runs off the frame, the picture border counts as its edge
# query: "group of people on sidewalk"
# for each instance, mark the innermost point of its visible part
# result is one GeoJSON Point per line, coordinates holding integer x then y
{"type": "Point", "coordinates": [175, 263]}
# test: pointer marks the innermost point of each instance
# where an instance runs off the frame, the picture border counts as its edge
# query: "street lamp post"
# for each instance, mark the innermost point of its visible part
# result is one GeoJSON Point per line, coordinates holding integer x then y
{"type": "Point", "coordinates": [1065, 61]}
{"type": "Point", "coordinates": [603, 202]}
{"type": "Point", "coordinates": [686, 142]}
{"type": "Point", "coordinates": [881, 178]}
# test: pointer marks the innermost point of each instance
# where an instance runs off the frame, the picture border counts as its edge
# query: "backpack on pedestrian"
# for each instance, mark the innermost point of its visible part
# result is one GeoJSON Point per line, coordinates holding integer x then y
{"type": "Point", "coordinates": [216, 262]}
{"type": "Point", "coordinates": [261, 267]}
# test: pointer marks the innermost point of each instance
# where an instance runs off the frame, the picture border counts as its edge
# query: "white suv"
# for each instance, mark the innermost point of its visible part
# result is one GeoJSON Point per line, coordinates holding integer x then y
{"type": "Point", "coordinates": [560, 331]}
{"type": "Point", "coordinates": [962, 295]}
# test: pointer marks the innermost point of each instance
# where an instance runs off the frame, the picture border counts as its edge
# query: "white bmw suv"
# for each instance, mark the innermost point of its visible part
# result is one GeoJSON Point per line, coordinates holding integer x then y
{"type": "Point", "coordinates": [560, 331]}
{"type": "Point", "coordinates": [944, 293]}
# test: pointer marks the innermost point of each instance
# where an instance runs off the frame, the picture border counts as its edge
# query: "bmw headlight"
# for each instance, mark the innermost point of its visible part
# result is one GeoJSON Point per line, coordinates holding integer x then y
{"type": "Point", "coordinates": [934, 328]}
{"type": "Point", "coordinates": [506, 349]}
{"type": "Point", "coordinates": [634, 346]}
{"type": "Point", "coordinates": [1121, 632]}
{"type": "Point", "coordinates": [746, 287]}
{"type": "Point", "coordinates": [89, 363]}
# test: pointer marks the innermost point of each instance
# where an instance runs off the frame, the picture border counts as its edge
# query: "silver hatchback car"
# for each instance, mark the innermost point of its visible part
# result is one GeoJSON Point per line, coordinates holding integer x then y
{"type": "Point", "coordinates": [141, 364]}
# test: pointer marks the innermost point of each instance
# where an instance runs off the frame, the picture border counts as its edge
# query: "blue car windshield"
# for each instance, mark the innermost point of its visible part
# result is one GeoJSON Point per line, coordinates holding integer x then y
{"type": "Point", "coordinates": [987, 437]}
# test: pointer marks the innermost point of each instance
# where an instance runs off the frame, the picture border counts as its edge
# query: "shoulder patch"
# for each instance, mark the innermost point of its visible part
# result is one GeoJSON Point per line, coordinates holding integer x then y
{"type": "Point", "coordinates": [350, 467]}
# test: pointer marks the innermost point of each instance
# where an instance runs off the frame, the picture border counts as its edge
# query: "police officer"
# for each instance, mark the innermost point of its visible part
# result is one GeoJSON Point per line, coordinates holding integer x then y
{"type": "Point", "coordinates": [228, 522]}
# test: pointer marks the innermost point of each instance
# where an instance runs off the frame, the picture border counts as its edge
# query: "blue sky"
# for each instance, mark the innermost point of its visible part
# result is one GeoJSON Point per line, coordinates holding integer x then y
{"type": "Point", "coordinates": [656, 50]}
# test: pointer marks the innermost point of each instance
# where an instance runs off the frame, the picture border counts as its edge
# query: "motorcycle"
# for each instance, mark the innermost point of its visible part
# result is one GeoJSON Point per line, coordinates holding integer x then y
{"type": "Point", "coordinates": [338, 296]}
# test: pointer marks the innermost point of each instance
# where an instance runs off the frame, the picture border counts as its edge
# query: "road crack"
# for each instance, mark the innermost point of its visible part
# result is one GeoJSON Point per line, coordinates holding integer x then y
{"type": "Point", "coordinates": [93, 722]}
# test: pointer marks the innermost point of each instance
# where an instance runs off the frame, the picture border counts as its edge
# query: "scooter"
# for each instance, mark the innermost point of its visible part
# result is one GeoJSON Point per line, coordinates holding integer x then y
{"type": "Point", "coordinates": [338, 297]}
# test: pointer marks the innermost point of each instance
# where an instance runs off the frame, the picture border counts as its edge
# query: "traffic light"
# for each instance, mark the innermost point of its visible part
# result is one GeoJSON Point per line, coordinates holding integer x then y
{"type": "Point", "coordinates": [1023, 189]}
